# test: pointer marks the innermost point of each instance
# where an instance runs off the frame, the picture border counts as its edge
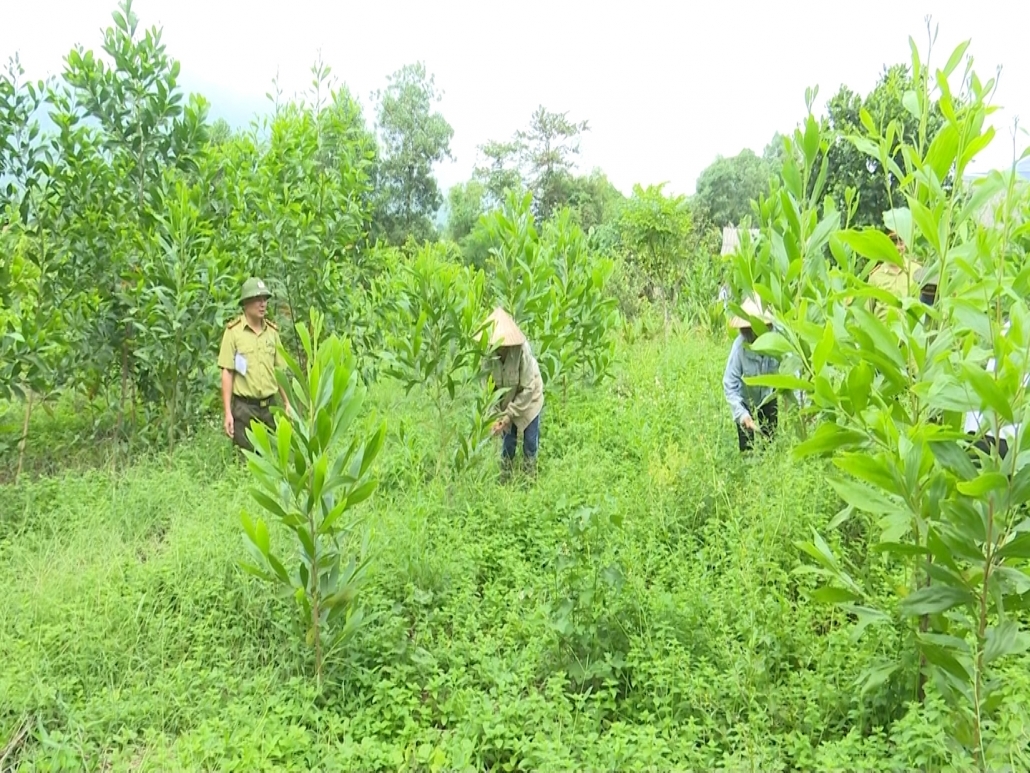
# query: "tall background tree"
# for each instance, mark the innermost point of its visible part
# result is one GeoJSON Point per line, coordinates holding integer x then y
{"type": "Point", "coordinates": [726, 188]}
{"type": "Point", "coordinates": [848, 166]}
{"type": "Point", "coordinates": [466, 203]}
{"type": "Point", "coordinates": [540, 158]}
{"type": "Point", "coordinates": [412, 138]}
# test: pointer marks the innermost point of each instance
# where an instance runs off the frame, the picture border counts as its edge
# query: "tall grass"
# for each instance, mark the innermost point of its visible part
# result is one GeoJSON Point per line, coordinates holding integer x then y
{"type": "Point", "coordinates": [132, 641]}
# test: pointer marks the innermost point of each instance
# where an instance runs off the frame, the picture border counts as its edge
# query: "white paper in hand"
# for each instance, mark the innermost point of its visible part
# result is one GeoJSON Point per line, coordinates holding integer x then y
{"type": "Point", "coordinates": [241, 364]}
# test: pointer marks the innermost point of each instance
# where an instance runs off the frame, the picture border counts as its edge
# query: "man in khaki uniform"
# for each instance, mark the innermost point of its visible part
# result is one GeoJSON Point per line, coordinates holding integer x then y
{"type": "Point", "coordinates": [899, 282]}
{"type": "Point", "coordinates": [515, 370]}
{"type": "Point", "coordinates": [249, 357]}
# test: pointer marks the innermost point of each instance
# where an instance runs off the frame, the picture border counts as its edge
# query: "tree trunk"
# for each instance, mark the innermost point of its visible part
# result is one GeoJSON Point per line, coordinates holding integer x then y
{"type": "Point", "coordinates": [24, 435]}
{"type": "Point", "coordinates": [125, 388]}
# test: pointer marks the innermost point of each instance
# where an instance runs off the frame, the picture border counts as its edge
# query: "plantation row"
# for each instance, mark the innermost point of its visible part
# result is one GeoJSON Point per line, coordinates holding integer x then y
{"type": "Point", "coordinates": [129, 227]}
{"type": "Point", "coordinates": [127, 234]}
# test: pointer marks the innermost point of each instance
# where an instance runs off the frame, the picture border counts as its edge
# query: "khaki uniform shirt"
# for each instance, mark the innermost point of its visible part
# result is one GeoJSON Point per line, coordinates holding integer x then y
{"type": "Point", "coordinates": [899, 282]}
{"type": "Point", "coordinates": [253, 357]}
{"type": "Point", "coordinates": [519, 377]}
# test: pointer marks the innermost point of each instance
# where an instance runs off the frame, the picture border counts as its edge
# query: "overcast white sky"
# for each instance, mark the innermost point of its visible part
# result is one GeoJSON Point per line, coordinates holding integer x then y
{"type": "Point", "coordinates": [666, 86]}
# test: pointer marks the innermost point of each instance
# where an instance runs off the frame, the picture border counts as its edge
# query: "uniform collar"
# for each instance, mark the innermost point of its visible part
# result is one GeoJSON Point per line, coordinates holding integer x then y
{"type": "Point", "coordinates": [246, 324]}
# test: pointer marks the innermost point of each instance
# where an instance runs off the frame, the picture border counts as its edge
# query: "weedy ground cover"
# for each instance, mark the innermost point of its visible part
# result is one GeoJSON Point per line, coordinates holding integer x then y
{"type": "Point", "coordinates": [636, 608]}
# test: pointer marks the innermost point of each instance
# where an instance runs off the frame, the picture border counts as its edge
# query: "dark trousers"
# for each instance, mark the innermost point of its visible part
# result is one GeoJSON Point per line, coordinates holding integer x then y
{"type": "Point", "coordinates": [244, 411]}
{"type": "Point", "coordinates": [986, 443]}
{"type": "Point", "coordinates": [766, 418]}
{"type": "Point", "coordinates": [530, 440]}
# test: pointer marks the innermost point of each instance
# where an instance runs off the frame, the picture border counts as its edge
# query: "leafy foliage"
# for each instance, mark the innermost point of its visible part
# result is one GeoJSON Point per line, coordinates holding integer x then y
{"type": "Point", "coordinates": [727, 187]}
{"type": "Point", "coordinates": [538, 158]}
{"type": "Point", "coordinates": [891, 398]}
{"type": "Point", "coordinates": [311, 485]}
{"type": "Point", "coordinates": [875, 181]}
{"type": "Point", "coordinates": [555, 289]}
{"type": "Point", "coordinates": [412, 138]}
{"type": "Point", "coordinates": [436, 341]}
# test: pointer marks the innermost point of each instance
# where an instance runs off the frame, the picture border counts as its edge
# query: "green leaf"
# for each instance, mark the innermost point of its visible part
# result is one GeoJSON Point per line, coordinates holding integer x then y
{"type": "Point", "coordinates": [372, 449]}
{"type": "Point", "coordinates": [832, 595]}
{"type": "Point", "coordinates": [1019, 493]}
{"type": "Point", "coordinates": [899, 549]}
{"type": "Point", "coordinates": [955, 58]}
{"type": "Point", "coordinates": [988, 390]}
{"type": "Point", "coordinates": [306, 541]}
{"type": "Point", "coordinates": [822, 233]}
{"type": "Point", "coordinates": [860, 383]}
{"type": "Point", "coordinates": [1003, 640]}
{"type": "Point", "coordinates": [772, 343]}
{"type": "Point", "coordinates": [824, 349]}
{"type": "Point", "coordinates": [934, 600]}
{"type": "Point", "coordinates": [269, 504]}
{"type": "Point", "coordinates": [863, 498]}
{"type": "Point", "coordinates": [820, 551]}
{"type": "Point", "coordinates": [827, 438]}
{"type": "Point", "coordinates": [885, 344]}
{"type": "Point", "coordinates": [954, 458]}
{"type": "Point", "coordinates": [927, 223]}
{"type": "Point", "coordinates": [1017, 547]}
{"type": "Point", "coordinates": [278, 568]}
{"type": "Point", "coordinates": [873, 244]}
{"type": "Point", "coordinates": [983, 484]}
{"type": "Point", "coordinates": [899, 220]}
{"type": "Point", "coordinates": [1015, 579]}
{"type": "Point", "coordinates": [251, 569]}
{"type": "Point", "coordinates": [874, 676]}
{"type": "Point", "coordinates": [361, 493]}
{"type": "Point", "coordinates": [284, 434]}
{"type": "Point", "coordinates": [780, 381]}
{"type": "Point", "coordinates": [910, 101]}
{"type": "Point", "coordinates": [943, 150]}
{"type": "Point", "coordinates": [869, 469]}
{"type": "Point", "coordinates": [944, 659]}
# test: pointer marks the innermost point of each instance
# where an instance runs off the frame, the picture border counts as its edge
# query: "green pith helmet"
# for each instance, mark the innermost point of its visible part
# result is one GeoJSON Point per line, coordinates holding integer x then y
{"type": "Point", "coordinates": [254, 288]}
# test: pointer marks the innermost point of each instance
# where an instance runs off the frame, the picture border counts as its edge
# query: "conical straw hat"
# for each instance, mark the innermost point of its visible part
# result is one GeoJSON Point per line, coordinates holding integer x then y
{"type": "Point", "coordinates": [504, 332]}
{"type": "Point", "coordinates": [753, 308]}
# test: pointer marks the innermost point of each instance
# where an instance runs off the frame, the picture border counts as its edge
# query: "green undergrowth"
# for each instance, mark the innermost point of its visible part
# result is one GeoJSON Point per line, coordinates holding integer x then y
{"type": "Point", "coordinates": [635, 608]}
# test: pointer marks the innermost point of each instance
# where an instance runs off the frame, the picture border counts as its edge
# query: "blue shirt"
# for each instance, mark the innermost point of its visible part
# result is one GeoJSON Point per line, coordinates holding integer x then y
{"type": "Point", "coordinates": [742, 363]}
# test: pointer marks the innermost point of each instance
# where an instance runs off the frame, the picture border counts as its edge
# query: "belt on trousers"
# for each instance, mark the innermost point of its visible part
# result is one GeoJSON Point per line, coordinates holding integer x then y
{"type": "Point", "coordinates": [260, 402]}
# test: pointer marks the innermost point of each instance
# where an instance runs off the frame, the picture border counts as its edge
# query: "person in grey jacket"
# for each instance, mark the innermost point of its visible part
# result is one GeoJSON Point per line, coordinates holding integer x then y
{"type": "Point", "coordinates": [753, 407]}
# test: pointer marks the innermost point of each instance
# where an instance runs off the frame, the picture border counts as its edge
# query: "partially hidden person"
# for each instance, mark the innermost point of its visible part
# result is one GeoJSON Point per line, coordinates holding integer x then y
{"type": "Point", "coordinates": [980, 425]}
{"type": "Point", "coordinates": [516, 373]}
{"type": "Point", "coordinates": [249, 357]}
{"type": "Point", "coordinates": [900, 281]}
{"type": "Point", "coordinates": [754, 408]}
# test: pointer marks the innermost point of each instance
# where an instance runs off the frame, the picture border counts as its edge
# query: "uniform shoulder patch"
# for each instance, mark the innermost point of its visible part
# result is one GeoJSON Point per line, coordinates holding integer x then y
{"type": "Point", "coordinates": [272, 325]}
{"type": "Point", "coordinates": [233, 324]}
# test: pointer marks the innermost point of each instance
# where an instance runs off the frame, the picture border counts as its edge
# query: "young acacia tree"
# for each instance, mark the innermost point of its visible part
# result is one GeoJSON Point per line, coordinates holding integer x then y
{"type": "Point", "coordinates": [946, 575]}
{"type": "Point", "coordinates": [33, 337]}
{"type": "Point", "coordinates": [311, 473]}
{"type": "Point", "coordinates": [132, 96]}
{"type": "Point", "coordinates": [435, 340]}
{"type": "Point", "coordinates": [555, 288]}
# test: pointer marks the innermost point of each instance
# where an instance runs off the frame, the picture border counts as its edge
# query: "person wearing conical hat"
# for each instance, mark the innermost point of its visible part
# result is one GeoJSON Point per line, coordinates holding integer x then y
{"type": "Point", "coordinates": [753, 407]}
{"type": "Point", "coordinates": [515, 371]}
{"type": "Point", "coordinates": [249, 357]}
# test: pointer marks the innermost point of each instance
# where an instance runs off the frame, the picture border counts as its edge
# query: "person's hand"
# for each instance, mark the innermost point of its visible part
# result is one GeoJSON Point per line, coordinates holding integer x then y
{"type": "Point", "coordinates": [501, 426]}
{"type": "Point", "coordinates": [229, 425]}
{"type": "Point", "coordinates": [748, 423]}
